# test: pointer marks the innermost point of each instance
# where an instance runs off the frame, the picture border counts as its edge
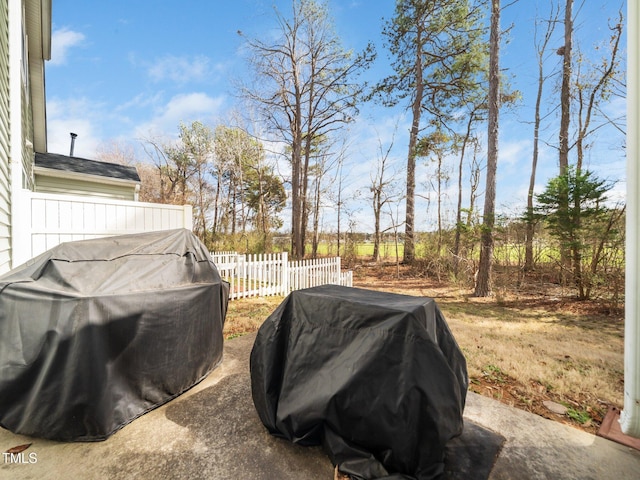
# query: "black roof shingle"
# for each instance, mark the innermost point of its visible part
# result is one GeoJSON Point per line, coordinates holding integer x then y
{"type": "Point", "coordinates": [82, 165]}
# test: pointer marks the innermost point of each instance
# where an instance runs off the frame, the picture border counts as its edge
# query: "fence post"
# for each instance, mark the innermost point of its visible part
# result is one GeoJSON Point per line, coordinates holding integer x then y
{"type": "Point", "coordinates": [273, 274]}
{"type": "Point", "coordinates": [285, 273]}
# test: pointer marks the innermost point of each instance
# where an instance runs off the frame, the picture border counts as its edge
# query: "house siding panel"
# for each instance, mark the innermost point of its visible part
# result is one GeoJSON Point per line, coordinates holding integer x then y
{"type": "Point", "coordinates": [66, 186]}
{"type": "Point", "coordinates": [27, 131]}
{"type": "Point", "coordinates": [5, 158]}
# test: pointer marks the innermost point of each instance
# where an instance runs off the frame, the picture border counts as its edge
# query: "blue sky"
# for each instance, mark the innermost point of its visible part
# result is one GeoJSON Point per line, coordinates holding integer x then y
{"type": "Point", "coordinates": [127, 70]}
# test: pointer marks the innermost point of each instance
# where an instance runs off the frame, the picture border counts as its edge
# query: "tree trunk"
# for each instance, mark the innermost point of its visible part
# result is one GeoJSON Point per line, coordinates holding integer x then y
{"type": "Point", "coordinates": [530, 228]}
{"type": "Point", "coordinates": [456, 243]}
{"type": "Point", "coordinates": [376, 216]}
{"type": "Point", "coordinates": [565, 92]}
{"type": "Point", "coordinates": [339, 208]}
{"type": "Point", "coordinates": [216, 205]}
{"type": "Point", "coordinates": [376, 240]}
{"type": "Point", "coordinates": [483, 282]}
{"type": "Point", "coordinates": [416, 110]}
{"type": "Point", "coordinates": [565, 112]}
{"type": "Point", "coordinates": [475, 183]}
{"type": "Point", "coordinates": [409, 242]}
{"type": "Point", "coordinates": [304, 192]}
{"type": "Point", "coordinates": [439, 246]}
{"type": "Point", "coordinates": [262, 213]}
{"type": "Point", "coordinates": [316, 218]}
{"type": "Point", "coordinates": [296, 215]}
{"type": "Point", "coordinates": [297, 238]}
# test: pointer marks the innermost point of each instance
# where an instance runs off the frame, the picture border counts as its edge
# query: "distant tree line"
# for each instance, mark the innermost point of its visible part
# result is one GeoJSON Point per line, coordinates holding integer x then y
{"type": "Point", "coordinates": [224, 175]}
{"type": "Point", "coordinates": [445, 60]}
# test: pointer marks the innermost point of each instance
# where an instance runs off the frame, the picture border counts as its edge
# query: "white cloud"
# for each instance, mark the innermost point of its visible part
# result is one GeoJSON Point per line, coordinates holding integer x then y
{"type": "Point", "coordinates": [79, 116]}
{"type": "Point", "coordinates": [181, 70]}
{"type": "Point", "coordinates": [514, 153]}
{"type": "Point", "coordinates": [62, 40]}
{"type": "Point", "coordinates": [141, 101]}
{"type": "Point", "coordinates": [95, 123]}
{"type": "Point", "coordinates": [185, 108]}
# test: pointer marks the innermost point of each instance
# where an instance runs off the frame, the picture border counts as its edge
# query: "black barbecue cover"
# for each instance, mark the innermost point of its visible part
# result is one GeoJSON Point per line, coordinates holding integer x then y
{"type": "Point", "coordinates": [377, 378]}
{"type": "Point", "coordinates": [95, 333]}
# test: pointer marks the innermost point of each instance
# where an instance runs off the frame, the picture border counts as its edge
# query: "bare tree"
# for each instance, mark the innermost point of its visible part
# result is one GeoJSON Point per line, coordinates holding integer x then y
{"type": "Point", "coordinates": [396, 223]}
{"type": "Point", "coordinates": [565, 93]}
{"type": "Point", "coordinates": [181, 171]}
{"type": "Point", "coordinates": [474, 183]}
{"type": "Point", "coordinates": [382, 193]}
{"type": "Point", "coordinates": [592, 87]}
{"type": "Point", "coordinates": [483, 282]}
{"type": "Point", "coordinates": [150, 190]}
{"type": "Point", "coordinates": [124, 153]}
{"type": "Point", "coordinates": [172, 171]}
{"type": "Point", "coordinates": [341, 185]}
{"type": "Point", "coordinates": [305, 90]}
{"type": "Point", "coordinates": [541, 49]}
{"type": "Point", "coordinates": [325, 161]}
{"type": "Point", "coordinates": [462, 142]}
{"type": "Point", "coordinates": [437, 143]}
{"type": "Point", "coordinates": [117, 152]}
{"type": "Point", "coordinates": [339, 203]}
{"type": "Point", "coordinates": [589, 90]}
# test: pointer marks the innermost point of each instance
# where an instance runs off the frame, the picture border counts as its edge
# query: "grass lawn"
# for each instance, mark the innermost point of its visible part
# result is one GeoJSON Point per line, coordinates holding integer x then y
{"type": "Point", "coordinates": [361, 250]}
{"type": "Point", "coordinates": [520, 349]}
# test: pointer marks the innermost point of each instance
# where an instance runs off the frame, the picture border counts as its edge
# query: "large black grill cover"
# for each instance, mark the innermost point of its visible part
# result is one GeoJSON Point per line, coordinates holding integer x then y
{"type": "Point", "coordinates": [95, 333]}
{"type": "Point", "coordinates": [376, 377]}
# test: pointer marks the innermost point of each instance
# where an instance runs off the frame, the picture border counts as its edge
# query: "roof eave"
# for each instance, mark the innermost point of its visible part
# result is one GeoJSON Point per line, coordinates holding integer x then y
{"type": "Point", "coordinates": [53, 172]}
{"type": "Point", "coordinates": [38, 25]}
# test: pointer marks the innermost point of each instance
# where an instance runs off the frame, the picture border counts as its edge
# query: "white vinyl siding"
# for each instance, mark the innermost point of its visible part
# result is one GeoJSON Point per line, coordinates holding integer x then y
{"type": "Point", "coordinates": [5, 139]}
{"type": "Point", "coordinates": [72, 186]}
{"type": "Point", "coordinates": [27, 132]}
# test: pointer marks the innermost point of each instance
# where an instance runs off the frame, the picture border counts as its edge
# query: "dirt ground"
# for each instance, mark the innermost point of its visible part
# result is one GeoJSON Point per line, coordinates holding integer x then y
{"type": "Point", "coordinates": [523, 348]}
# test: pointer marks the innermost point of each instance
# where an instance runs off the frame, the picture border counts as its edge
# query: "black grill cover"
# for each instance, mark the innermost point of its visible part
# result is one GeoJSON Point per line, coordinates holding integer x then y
{"type": "Point", "coordinates": [376, 377]}
{"type": "Point", "coordinates": [95, 333]}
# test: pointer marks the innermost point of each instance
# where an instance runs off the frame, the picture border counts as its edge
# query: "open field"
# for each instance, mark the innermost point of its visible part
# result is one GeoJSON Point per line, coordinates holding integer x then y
{"type": "Point", "coordinates": [521, 349]}
{"type": "Point", "coordinates": [361, 250]}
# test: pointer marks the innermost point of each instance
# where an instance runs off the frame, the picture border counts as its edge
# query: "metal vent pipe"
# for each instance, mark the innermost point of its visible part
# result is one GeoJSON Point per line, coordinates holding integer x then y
{"type": "Point", "coordinates": [73, 143]}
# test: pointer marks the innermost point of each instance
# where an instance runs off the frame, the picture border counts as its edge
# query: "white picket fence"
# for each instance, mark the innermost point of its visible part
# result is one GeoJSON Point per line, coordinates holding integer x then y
{"type": "Point", "coordinates": [273, 274]}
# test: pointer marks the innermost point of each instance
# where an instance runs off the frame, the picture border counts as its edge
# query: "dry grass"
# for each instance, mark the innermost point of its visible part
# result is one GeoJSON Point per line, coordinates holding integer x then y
{"type": "Point", "coordinates": [246, 315]}
{"type": "Point", "coordinates": [539, 347]}
{"type": "Point", "coordinates": [521, 349]}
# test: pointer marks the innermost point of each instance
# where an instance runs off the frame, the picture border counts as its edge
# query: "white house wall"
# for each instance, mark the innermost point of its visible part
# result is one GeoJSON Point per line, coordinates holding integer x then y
{"type": "Point", "coordinates": [5, 140]}
{"type": "Point", "coordinates": [21, 154]}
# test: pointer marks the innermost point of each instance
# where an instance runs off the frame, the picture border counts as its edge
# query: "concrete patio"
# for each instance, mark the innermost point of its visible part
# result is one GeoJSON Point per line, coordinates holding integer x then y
{"type": "Point", "coordinates": [213, 432]}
